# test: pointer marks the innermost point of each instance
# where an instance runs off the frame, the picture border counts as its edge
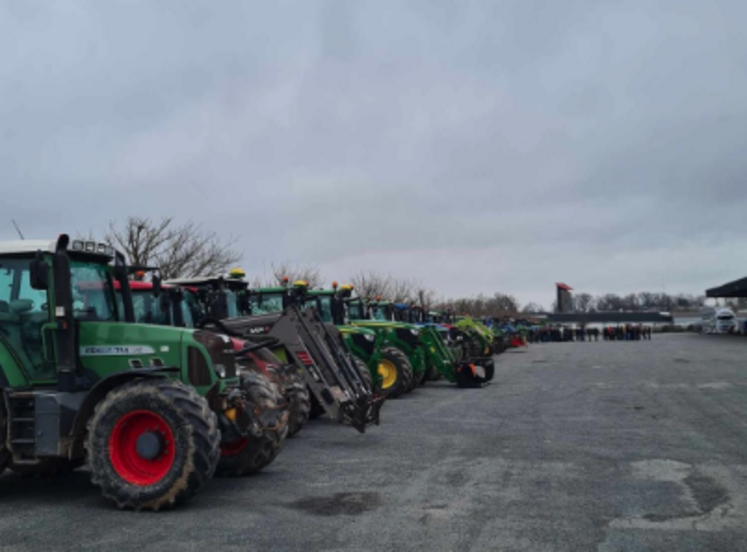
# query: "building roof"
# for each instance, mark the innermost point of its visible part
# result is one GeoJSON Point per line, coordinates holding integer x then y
{"type": "Point", "coordinates": [566, 287]}
{"type": "Point", "coordinates": [737, 288]}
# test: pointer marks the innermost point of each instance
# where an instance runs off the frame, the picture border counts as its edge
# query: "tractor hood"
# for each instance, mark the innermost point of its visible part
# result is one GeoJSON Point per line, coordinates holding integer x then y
{"type": "Point", "coordinates": [105, 348]}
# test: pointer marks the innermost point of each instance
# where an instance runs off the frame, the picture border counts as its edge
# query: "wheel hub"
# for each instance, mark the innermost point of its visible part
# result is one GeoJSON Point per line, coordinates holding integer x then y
{"type": "Point", "coordinates": [150, 445]}
{"type": "Point", "coordinates": [388, 373]}
{"type": "Point", "coordinates": [142, 447]}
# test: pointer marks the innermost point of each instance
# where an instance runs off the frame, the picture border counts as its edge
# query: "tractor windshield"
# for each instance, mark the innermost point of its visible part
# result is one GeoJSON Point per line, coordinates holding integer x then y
{"type": "Point", "coordinates": [231, 302]}
{"type": "Point", "coordinates": [355, 310]}
{"type": "Point", "coordinates": [324, 304]}
{"type": "Point", "coordinates": [379, 313]}
{"type": "Point", "coordinates": [93, 292]}
{"type": "Point", "coordinates": [191, 309]}
{"type": "Point", "coordinates": [264, 304]}
{"type": "Point", "coordinates": [148, 309]}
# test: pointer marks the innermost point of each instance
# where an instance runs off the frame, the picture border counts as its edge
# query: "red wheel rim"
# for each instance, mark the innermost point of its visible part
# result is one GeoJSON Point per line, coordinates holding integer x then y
{"type": "Point", "coordinates": [125, 458]}
{"type": "Point", "coordinates": [234, 447]}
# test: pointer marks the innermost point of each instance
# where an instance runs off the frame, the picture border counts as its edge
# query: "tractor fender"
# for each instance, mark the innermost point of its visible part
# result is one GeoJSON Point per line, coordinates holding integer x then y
{"type": "Point", "coordinates": [103, 386]}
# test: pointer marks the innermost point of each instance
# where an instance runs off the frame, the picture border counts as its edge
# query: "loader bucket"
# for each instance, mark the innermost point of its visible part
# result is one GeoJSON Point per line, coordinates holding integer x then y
{"type": "Point", "coordinates": [474, 373]}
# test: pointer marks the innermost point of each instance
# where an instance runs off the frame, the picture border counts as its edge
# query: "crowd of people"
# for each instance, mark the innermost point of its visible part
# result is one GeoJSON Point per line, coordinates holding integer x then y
{"type": "Point", "coordinates": [557, 334]}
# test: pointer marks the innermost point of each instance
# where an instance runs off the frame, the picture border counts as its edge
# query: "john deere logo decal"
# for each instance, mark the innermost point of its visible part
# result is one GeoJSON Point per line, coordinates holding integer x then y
{"type": "Point", "coordinates": [114, 350]}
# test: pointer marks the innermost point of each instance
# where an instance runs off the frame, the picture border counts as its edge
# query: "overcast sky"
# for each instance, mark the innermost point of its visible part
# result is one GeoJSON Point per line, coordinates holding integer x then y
{"type": "Point", "coordinates": [475, 146]}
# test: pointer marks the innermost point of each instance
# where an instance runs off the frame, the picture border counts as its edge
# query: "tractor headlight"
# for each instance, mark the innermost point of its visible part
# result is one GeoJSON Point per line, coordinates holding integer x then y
{"type": "Point", "coordinates": [220, 370]}
{"type": "Point", "coordinates": [414, 332]}
{"type": "Point", "coordinates": [370, 337]}
{"type": "Point", "coordinates": [220, 349]}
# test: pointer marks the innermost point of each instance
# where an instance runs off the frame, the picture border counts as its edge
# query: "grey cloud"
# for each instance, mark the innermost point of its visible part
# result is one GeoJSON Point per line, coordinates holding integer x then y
{"type": "Point", "coordinates": [473, 145]}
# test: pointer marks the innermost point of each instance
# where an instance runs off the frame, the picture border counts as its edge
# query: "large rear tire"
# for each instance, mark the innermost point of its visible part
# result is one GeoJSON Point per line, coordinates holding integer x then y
{"type": "Point", "coordinates": [396, 373]}
{"type": "Point", "coordinates": [152, 444]}
{"type": "Point", "coordinates": [250, 454]}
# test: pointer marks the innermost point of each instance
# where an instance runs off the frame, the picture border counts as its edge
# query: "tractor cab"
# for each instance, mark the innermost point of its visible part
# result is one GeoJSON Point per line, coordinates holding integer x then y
{"type": "Point", "coordinates": [332, 304]}
{"type": "Point", "coordinates": [216, 297]}
{"type": "Point", "coordinates": [82, 381]}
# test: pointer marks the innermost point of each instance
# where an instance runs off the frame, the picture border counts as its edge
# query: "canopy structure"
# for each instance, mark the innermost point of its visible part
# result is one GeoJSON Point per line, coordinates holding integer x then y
{"type": "Point", "coordinates": [737, 288]}
{"type": "Point", "coordinates": [615, 317]}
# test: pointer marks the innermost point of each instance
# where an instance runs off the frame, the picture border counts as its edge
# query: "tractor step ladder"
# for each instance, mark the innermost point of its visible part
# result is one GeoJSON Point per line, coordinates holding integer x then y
{"type": "Point", "coordinates": [21, 408]}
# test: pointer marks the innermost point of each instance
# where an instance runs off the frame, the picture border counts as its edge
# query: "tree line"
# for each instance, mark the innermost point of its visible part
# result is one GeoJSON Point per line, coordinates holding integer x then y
{"type": "Point", "coordinates": [187, 250]}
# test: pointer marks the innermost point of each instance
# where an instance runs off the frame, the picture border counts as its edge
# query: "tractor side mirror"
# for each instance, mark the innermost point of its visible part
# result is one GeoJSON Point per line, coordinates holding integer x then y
{"type": "Point", "coordinates": [157, 287]}
{"type": "Point", "coordinates": [39, 272]}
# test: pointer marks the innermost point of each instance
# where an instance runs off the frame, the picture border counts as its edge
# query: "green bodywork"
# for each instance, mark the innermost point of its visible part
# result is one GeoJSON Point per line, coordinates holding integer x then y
{"type": "Point", "coordinates": [105, 345]}
{"type": "Point", "coordinates": [429, 351]}
{"type": "Point", "coordinates": [480, 333]}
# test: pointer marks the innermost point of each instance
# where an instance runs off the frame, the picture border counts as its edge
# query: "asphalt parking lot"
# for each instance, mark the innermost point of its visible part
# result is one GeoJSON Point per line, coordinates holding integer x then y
{"type": "Point", "coordinates": [585, 446]}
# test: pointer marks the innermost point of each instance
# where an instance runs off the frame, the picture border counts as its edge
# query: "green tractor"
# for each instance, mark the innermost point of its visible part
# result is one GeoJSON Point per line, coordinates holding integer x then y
{"type": "Point", "coordinates": [154, 411]}
{"type": "Point", "coordinates": [481, 338]}
{"type": "Point", "coordinates": [426, 342]}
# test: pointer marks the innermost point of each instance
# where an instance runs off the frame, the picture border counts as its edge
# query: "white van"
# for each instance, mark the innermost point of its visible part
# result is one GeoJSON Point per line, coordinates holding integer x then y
{"type": "Point", "coordinates": [718, 320]}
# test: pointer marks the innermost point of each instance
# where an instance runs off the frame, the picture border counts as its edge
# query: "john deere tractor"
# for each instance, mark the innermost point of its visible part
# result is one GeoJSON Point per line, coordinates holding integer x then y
{"type": "Point", "coordinates": [430, 354]}
{"type": "Point", "coordinates": [150, 409]}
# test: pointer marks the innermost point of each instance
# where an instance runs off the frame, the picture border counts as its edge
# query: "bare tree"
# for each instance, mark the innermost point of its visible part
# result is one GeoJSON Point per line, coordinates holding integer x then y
{"type": "Point", "coordinates": [500, 304]}
{"type": "Point", "coordinates": [532, 308]}
{"type": "Point", "coordinates": [297, 272]}
{"type": "Point", "coordinates": [583, 302]}
{"type": "Point", "coordinates": [425, 297]}
{"type": "Point", "coordinates": [370, 284]}
{"type": "Point", "coordinates": [178, 250]}
{"type": "Point", "coordinates": [401, 291]}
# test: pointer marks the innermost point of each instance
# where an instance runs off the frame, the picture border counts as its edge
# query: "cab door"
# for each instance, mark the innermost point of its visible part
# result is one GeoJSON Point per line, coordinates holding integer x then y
{"type": "Point", "coordinates": [24, 320]}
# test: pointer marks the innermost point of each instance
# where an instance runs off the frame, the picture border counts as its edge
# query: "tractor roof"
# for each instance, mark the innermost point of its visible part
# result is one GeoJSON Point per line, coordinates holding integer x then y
{"type": "Point", "coordinates": [198, 281]}
{"type": "Point", "coordinates": [21, 247]}
{"type": "Point", "coordinates": [26, 246]}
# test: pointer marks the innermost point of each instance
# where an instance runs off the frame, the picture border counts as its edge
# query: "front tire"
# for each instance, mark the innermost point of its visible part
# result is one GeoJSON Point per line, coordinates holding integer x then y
{"type": "Point", "coordinates": [396, 373]}
{"type": "Point", "coordinates": [250, 454]}
{"type": "Point", "coordinates": [152, 444]}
